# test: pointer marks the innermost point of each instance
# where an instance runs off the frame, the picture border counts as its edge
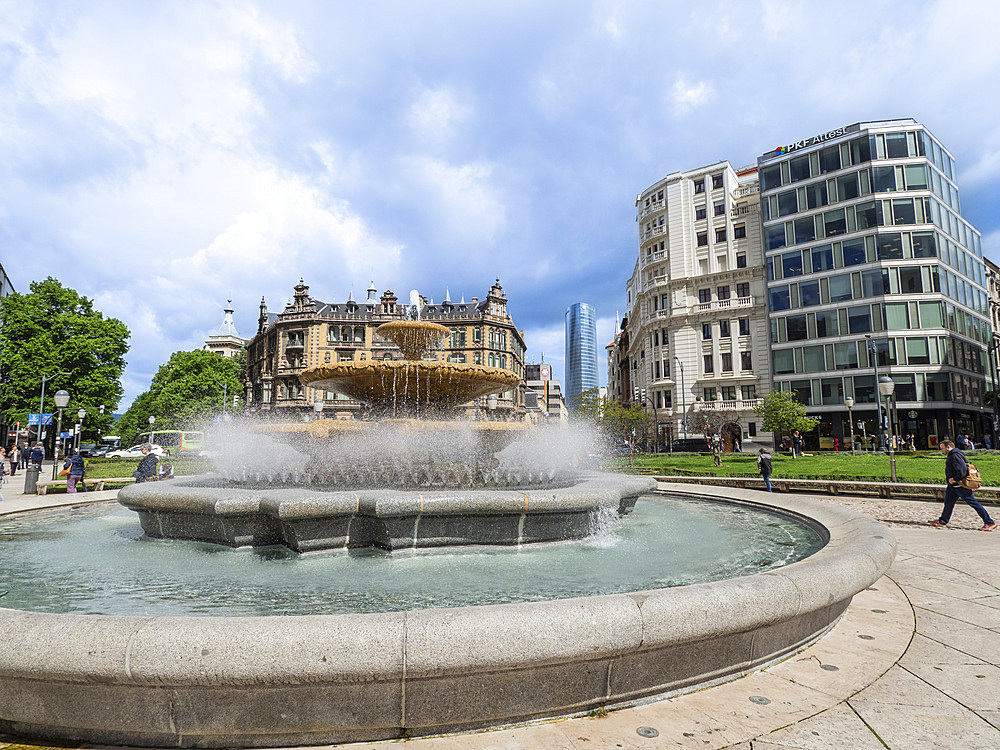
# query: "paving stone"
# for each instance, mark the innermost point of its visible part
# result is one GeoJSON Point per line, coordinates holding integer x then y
{"type": "Point", "coordinates": [836, 729]}
{"type": "Point", "coordinates": [924, 650]}
{"type": "Point", "coordinates": [981, 643]}
{"type": "Point", "coordinates": [976, 686]}
{"type": "Point", "coordinates": [928, 728]}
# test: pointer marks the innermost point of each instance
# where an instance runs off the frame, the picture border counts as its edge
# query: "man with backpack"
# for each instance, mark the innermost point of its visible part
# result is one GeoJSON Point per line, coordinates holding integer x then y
{"type": "Point", "coordinates": [764, 467]}
{"type": "Point", "coordinates": [956, 471]}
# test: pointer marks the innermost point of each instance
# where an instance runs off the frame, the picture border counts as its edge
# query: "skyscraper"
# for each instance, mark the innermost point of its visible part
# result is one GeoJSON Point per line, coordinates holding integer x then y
{"type": "Point", "coordinates": [581, 351]}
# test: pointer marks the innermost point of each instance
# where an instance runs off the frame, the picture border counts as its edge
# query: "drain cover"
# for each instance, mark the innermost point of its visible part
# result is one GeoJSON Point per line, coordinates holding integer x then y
{"type": "Point", "coordinates": [760, 700]}
{"type": "Point", "coordinates": [829, 667]}
{"type": "Point", "coordinates": [879, 611]}
{"type": "Point", "coordinates": [867, 637]}
{"type": "Point", "coordinates": [647, 732]}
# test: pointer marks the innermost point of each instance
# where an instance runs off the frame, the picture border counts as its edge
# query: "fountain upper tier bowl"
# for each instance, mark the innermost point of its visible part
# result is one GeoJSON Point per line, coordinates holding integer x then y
{"type": "Point", "coordinates": [410, 384]}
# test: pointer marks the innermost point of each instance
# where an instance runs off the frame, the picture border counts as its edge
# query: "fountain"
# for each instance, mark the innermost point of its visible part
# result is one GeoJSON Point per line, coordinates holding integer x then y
{"type": "Point", "coordinates": [414, 481]}
{"type": "Point", "coordinates": [415, 478]}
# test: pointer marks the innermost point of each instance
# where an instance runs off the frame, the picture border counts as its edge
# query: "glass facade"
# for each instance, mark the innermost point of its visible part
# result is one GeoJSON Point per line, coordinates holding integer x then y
{"type": "Point", "coordinates": [870, 265]}
{"type": "Point", "coordinates": [581, 351]}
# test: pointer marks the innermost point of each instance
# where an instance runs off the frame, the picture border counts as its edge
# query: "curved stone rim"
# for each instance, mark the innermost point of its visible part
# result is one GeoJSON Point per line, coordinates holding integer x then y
{"type": "Point", "coordinates": [268, 681]}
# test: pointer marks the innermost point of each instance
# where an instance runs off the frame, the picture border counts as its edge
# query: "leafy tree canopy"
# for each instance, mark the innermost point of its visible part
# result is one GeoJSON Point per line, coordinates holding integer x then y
{"type": "Point", "coordinates": [709, 420]}
{"type": "Point", "coordinates": [780, 412]}
{"type": "Point", "coordinates": [185, 391]}
{"type": "Point", "coordinates": [611, 417]}
{"type": "Point", "coordinates": [52, 329]}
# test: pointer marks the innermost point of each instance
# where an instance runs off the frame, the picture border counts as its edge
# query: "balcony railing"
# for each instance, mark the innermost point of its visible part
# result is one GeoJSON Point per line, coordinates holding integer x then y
{"type": "Point", "coordinates": [646, 210]}
{"type": "Point", "coordinates": [736, 404]}
{"type": "Point", "coordinates": [655, 282]}
{"type": "Point", "coordinates": [654, 231]}
{"type": "Point", "coordinates": [725, 304]}
{"type": "Point", "coordinates": [746, 190]}
{"type": "Point", "coordinates": [737, 211]}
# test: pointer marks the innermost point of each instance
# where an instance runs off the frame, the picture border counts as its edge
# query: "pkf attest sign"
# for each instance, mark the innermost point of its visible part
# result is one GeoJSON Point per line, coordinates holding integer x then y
{"type": "Point", "coordinates": [816, 139]}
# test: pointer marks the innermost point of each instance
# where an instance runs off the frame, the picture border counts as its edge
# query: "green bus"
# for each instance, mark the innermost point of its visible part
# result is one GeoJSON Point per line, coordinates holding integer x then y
{"type": "Point", "coordinates": [175, 441]}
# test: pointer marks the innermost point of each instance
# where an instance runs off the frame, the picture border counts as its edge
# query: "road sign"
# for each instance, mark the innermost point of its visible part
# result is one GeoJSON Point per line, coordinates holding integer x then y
{"type": "Point", "coordinates": [32, 420]}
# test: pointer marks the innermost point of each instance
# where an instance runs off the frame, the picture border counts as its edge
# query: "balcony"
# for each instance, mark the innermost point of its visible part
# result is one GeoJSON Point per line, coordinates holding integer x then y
{"type": "Point", "coordinates": [655, 282]}
{"type": "Point", "coordinates": [746, 190]}
{"type": "Point", "coordinates": [739, 404]}
{"type": "Point", "coordinates": [653, 232]}
{"type": "Point", "coordinates": [724, 304]}
{"type": "Point", "coordinates": [737, 212]}
{"type": "Point", "coordinates": [646, 210]}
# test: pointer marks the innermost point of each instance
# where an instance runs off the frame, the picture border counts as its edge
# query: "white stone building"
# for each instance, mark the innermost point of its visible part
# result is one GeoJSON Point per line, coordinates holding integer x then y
{"type": "Point", "coordinates": [697, 322]}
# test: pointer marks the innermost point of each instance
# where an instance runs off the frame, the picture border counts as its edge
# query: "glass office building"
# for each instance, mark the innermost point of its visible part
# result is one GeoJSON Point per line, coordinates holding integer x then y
{"type": "Point", "coordinates": [872, 271]}
{"type": "Point", "coordinates": [581, 351]}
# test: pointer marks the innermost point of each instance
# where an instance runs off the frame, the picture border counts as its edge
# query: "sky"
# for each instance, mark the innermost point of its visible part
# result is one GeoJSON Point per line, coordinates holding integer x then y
{"type": "Point", "coordinates": [164, 157]}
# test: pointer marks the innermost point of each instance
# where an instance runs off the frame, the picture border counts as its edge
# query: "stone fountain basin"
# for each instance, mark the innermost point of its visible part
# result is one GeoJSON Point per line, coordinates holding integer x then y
{"type": "Point", "coordinates": [210, 509]}
{"type": "Point", "coordinates": [279, 681]}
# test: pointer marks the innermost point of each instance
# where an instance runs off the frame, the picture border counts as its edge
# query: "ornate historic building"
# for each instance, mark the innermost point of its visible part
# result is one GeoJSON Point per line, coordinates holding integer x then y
{"type": "Point", "coordinates": [225, 340]}
{"type": "Point", "coordinates": [310, 332]}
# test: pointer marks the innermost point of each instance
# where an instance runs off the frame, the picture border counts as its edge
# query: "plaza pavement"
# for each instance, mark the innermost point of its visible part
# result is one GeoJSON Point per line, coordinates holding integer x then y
{"type": "Point", "coordinates": [913, 664]}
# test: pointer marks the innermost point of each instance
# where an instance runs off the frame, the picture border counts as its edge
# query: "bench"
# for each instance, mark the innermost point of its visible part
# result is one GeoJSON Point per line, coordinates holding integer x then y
{"type": "Point", "coordinates": [93, 485]}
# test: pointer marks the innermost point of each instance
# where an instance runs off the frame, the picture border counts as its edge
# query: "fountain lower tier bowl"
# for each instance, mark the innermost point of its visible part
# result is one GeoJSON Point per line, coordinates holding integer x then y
{"type": "Point", "coordinates": [211, 509]}
{"type": "Point", "coordinates": [410, 386]}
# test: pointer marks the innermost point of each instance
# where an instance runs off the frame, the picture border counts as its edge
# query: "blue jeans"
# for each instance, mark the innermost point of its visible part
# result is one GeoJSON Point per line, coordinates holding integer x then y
{"type": "Point", "coordinates": [952, 496]}
{"type": "Point", "coordinates": [767, 481]}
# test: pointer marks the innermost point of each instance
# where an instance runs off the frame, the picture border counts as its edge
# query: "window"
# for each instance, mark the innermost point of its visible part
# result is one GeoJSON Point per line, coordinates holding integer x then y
{"type": "Point", "coordinates": [812, 359]}
{"type": "Point", "coordinates": [702, 239]}
{"type": "Point", "coordinates": [883, 179]}
{"type": "Point", "coordinates": [835, 222]}
{"type": "Point", "coordinates": [741, 260]}
{"type": "Point", "coordinates": [896, 318]}
{"type": "Point", "coordinates": [709, 364]}
{"type": "Point", "coordinates": [795, 325]}
{"type": "Point", "coordinates": [716, 181]}
{"type": "Point", "coordinates": [868, 214]}
{"type": "Point", "coordinates": [910, 280]}
{"type": "Point", "coordinates": [706, 331]}
{"type": "Point", "coordinates": [708, 394]}
{"type": "Point", "coordinates": [864, 389]}
{"type": "Point", "coordinates": [724, 329]}
{"type": "Point", "coordinates": [861, 150]}
{"type": "Point", "coordinates": [816, 195]}
{"type": "Point", "coordinates": [727, 362]}
{"type": "Point", "coordinates": [798, 168]}
{"type": "Point", "coordinates": [845, 356]}
{"type": "Point", "coordinates": [744, 326]}
{"type": "Point", "coordinates": [822, 258]}
{"type": "Point", "coordinates": [903, 211]}
{"type": "Point", "coordinates": [770, 177]}
{"type": "Point", "coordinates": [704, 295]}
{"type": "Point", "coordinates": [848, 187]}
{"type": "Point", "coordinates": [802, 391]}
{"type": "Point", "coordinates": [924, 245]}
{"type": "Point", "coordinates": [791, 264]}
{"type": "Point", "coordinates": [937, 388]}
{"type": "Point", "coordinates": [784, 361]}
{"type": "Point", "coordinates": [859, 319]}
{"type": "Point", "coordinates": [720, 235]}
{"type": "Point", "coordinates": [746, 362]}
{"type": "Point", "coordinates": [895, 145]}
{"type": "Point", "coordinates": [827, 324]}
{"type": "Point", "coordinates": [749, 391]}
{"type": "Point", "coordinates": [722, 292]}
{"type": "Point", "coordinates": [779, 298]}
{"type": "Point", "coordinates": [743, 289]}
{"type": "Point", "coordinates": [809, 293]}
{"type": "Point", "coordinates": [699, 186]}
{"type": "Point", "coordinates": [854, 252]}
{"type": "Point", "coordinates": [917, 352]}
{"type": "Point", "coordinates": [890, 247]}
{"type": "Point", "coordinates": [931, 315]}
{"type": "Point", "coordinates": [840, 288]}
{"type": "Point", "coordinates": [699, 212]}
{"type": "Point", "coordinates": [774, 237]}
{"type": "Point", "coordinates": [720, 209]}
{"type": "Point", "coordinates": [829, 159]}
{"type": "Point", "coordinates": [916, 176]}
{"type": "Point", "coordinates": [875, 282]}
{"type": "Point", "coordinates": [833, 390]}
{"type": "Point", "coordinates": [787, 203]}
{"type": "Point", "coordinates": [739, 231]}
{"type": "Point", "coordinates": [805, 230]}
{"type": "Point", "coordinates": [728, 392]}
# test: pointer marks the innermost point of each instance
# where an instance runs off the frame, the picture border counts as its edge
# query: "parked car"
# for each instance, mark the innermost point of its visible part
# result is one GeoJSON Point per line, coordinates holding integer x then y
{"type": "Point", "coordinates": [135, 451]}
{"type": "Point", "coordinates": [93, 450]}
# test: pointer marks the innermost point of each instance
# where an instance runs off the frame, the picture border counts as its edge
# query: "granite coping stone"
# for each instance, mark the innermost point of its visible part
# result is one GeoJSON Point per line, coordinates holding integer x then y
{"type": "Point", "coordinates": [246, 667]}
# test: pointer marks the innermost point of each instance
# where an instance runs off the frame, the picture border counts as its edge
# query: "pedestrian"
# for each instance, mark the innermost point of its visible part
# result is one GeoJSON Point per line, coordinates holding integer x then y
{"type": "Point", "coordinates": [25, 455]}
{"type": "Point", "coordinates": [836, 445]}
{"type": "Point", "coordinates": [15, 458]}
{"type": "Point", "coordinates": [76, 470]}
{"type": "Point", "coordinates": [988, 442]}
{"type": "Point", "coordinates": [956, 468]}
{"type": "Point", "coordinates": [147, 466]}
{"type": "Point", "coordinates": [797, 444]}
{"type": "Point", "coordinates": [717, 449]}
{"type": "Point", "coordinates": [764, 467]}
{"type": "Point", "coordinates": [37, 455]}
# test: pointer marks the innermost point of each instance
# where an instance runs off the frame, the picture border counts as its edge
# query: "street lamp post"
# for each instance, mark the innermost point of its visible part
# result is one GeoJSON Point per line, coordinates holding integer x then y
{"type": "Point", "coordinates": [886, 386]}
{"type": "Point", "coordinates": [873, 352]}
{"type": "Point", "coordinates": [850, 420]}
{"type": "Point", "coordinates": [225, 394]}
{"type": "Point", "coordinates": [79, 427]}
{"type": "Point", "coordinates": [684, 417]}
{"type": "Point", "coordinates": [61, 398]}
{"type": "Point", "coordinates": [152, 436]}
{"type": "Point", "coordinates": [41, 402]}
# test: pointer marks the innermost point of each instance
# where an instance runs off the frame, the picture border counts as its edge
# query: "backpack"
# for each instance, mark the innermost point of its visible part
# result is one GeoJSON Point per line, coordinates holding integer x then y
{"type": "Point", "coordinates": [972, 480]}
{"type": "Point", "coordinates": [765, 465]}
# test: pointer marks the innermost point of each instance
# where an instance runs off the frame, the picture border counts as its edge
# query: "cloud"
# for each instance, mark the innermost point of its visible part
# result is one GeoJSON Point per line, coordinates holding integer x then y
{"type": "Point", "coordinates": [687, 96]}
{"type": "Point", "coordinates": [435, 114]}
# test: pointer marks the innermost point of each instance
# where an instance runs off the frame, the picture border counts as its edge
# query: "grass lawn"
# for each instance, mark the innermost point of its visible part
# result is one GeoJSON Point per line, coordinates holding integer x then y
{"type": "Point", "coordinates": [921, 467]}
{"type": "Point", "coordinates": [103, 468]}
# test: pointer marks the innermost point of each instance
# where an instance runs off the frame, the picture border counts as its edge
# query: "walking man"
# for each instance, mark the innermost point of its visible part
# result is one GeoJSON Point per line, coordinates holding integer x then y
{"type": "Point", "coordinates": [764, 467]}
{"type": "Point", "coordinates": [956, 468]}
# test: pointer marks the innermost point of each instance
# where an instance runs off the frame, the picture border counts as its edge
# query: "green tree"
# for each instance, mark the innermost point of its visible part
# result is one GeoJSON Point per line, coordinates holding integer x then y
{"type": "Point", "coordinates": [52, 329]}
{"type": "Point", "coordinates": [623, 423]}
{"type": "Point", "coordinates": [781, 413]}
{"type": "Point", "coordinates": [185, 391]}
